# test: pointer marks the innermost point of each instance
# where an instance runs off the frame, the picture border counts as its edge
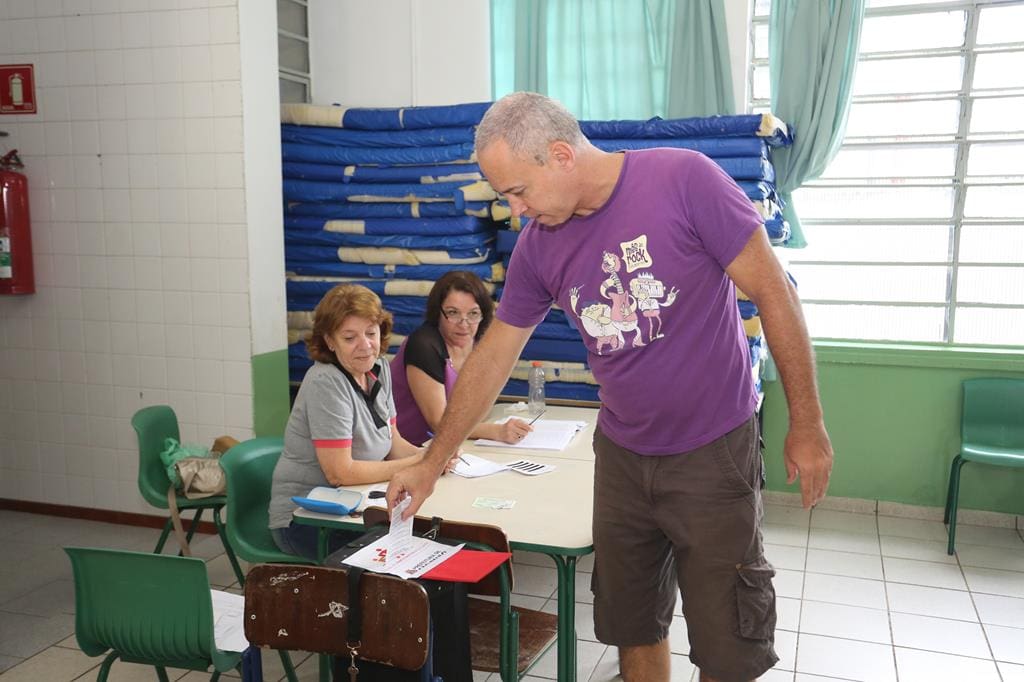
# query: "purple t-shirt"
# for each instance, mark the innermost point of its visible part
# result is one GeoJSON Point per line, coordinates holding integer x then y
{"type": "Point", "coordinates": [644, 279]}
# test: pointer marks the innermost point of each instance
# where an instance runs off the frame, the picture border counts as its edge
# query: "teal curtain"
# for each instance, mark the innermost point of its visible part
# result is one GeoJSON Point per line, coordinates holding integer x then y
{"type": "Point", "coordinates": [615, 59]}
{"type": "Point", "coordinates": [812, 52]}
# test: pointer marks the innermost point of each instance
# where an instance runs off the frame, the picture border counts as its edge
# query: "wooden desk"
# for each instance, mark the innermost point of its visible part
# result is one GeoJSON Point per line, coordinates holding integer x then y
{"type": "Point", "coordinates": [552, 514]}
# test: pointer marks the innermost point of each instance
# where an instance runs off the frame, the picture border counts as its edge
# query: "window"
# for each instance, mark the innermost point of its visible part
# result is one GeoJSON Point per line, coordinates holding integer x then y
{"type": "Point", "coordinates": [293, 50]}
{"type": "Point", "coordinates": [916, 228]}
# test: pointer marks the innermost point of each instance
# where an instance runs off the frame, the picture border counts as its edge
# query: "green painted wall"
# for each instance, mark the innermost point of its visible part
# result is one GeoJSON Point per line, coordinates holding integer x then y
{"type": "Point", "coordinates": [270, 393]}
{"type": "Point", "coordinates": [893, 414]}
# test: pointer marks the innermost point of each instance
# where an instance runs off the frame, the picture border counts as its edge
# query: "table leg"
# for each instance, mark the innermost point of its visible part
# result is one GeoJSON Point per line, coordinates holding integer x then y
{"type": "Point", "coordinates": [566, 566]}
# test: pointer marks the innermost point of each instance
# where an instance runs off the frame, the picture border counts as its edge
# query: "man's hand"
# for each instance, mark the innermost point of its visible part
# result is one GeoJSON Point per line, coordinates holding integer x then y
{"type": "Point", "coordinates": [416, 482]}
{"type": "Point", "coordinates": [807, 453]}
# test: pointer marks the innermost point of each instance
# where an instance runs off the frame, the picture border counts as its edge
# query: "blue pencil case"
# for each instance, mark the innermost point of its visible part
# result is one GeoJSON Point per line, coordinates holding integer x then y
{"type": "Point", "coordinates": [330, 500]}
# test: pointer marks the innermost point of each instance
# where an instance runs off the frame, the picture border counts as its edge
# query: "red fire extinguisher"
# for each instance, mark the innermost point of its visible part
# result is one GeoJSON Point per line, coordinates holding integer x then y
{"type": "Point", "coordinates": [15, 232]}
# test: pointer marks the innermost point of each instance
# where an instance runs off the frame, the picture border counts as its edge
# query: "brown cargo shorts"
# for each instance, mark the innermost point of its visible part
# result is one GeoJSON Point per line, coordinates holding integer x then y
{"type": "Point", "coordinates": [690, 520]}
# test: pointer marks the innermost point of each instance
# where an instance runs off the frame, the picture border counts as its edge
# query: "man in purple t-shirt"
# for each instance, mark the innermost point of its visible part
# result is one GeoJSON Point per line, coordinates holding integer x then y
{"type": "Point", "coordinates": [645, 250]}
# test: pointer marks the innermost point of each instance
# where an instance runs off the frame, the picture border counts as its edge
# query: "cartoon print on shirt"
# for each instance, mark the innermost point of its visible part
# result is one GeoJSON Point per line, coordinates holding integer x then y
{"type": "Point", "coordinates": [607, 321]}
{"type": "Point", "coordinates": [623, 310]}
{"type": "Point", "coordinates": [596, 319]}
{"type": "Point", "coordinates": [647, 290]}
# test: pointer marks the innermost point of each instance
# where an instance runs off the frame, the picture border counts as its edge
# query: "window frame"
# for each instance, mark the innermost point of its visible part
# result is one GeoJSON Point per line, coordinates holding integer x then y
{"type": "Point", "coordinates": [959, 181]}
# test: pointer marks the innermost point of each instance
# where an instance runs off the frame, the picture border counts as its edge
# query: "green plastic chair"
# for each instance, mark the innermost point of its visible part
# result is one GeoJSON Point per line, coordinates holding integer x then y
{"type": "Point", "coordinates": [991, 432]}
{"type": "Point", "coordinates": [249, 467]}
{"type": "Point", "coordinates": [153, 425]}
{"type": "Point", "coordinates": [143, 608]}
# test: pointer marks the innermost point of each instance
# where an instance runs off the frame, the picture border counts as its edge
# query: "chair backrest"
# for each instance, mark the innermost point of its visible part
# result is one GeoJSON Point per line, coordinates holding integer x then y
{"type": "Point", "coordinates": [149, 608]}
{"type": "Point", "coordinates": [249, 467]}
{"type": "Point", "coordinates": [993, 412]}
{"type": "Point", "coordinates": [492, 537]}
{"type": "Point", "coordinates": [152, 425]}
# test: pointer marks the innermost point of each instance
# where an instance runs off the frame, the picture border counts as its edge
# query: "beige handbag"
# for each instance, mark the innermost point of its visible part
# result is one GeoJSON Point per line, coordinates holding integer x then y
{"type": "Point", "coordinates": [200, 477]}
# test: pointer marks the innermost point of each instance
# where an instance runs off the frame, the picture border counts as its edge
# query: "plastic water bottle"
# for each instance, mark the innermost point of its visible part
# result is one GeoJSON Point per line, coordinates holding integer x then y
{"type": "Point", "coordinates": [536, 405]}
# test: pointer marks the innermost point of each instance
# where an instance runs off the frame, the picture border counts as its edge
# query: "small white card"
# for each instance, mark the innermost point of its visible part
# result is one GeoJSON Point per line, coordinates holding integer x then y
{"type": "Point", "coordinates": [399, 538]}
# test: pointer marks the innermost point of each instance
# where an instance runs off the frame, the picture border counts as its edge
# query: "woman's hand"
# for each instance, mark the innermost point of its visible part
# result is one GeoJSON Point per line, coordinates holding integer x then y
{"type": "Point", "coordinates": [453, 462]}
{"type": "Point", "coordinates": [514, 430]}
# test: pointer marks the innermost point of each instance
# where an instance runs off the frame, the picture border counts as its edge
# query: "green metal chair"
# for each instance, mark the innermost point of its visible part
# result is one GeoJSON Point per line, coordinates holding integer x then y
{"type": "Point", "coordinates": [991, 432]}
{"type": "Point", "coordinates": [153, 425]}
{"type": "Point", "coordinates": [143, 608]}
{"type": "Point", "coordinates": [249, 467]}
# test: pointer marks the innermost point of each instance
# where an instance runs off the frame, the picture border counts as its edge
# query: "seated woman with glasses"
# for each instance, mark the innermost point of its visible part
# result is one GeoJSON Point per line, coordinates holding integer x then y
{"type": "Point", "coordinates": [459, 309]}
{"type": "Point", "coordinates": [341, 431]}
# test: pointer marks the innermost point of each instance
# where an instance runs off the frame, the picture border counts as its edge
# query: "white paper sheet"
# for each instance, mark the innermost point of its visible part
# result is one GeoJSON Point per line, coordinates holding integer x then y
{"type": "Point", "coordinates": [418, 557]}
{"type": "Point", "coordinates": [228, 621]}
{"type": "Point", "coordinates": [547, 434]}
{"type": "Point", "coordinates": [472, 466]}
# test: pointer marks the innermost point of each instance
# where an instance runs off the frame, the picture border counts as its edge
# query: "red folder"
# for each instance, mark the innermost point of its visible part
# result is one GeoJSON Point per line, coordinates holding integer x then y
{"type": "Point", "coordinates": [467, 566]}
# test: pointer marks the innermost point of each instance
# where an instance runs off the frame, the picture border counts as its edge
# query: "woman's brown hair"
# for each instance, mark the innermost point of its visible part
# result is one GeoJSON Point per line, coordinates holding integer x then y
{"type": "Point", "coordinates": [464, 281]}
{"type": "Point", "coordinates": [337, 304]}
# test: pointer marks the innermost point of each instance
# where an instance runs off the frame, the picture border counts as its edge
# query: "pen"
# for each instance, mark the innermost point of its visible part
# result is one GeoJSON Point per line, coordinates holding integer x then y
{"type": "Point", "coordinates": [538, 416]}
{"type": "Point", "coordinates": [430, 434]}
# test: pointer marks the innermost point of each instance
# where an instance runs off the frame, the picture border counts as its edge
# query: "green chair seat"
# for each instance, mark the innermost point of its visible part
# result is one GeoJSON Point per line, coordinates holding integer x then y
{"type": "Point", "coordinates": [146, 608]}
{"type": "Point", "coordinates": [992, 454]}
{"type": "Point", "coordinates": [991, 432]}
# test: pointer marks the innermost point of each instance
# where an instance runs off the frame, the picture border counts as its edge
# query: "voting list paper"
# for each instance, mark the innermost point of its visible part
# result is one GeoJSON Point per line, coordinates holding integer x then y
{"type": "Point", "coordinates": [547, 434]}
{"type": "Point", "coordinates": [400, 552]}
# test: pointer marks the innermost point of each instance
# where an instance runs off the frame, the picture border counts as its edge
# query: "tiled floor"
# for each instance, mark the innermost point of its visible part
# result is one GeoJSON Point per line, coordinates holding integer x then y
{"type": "Point", "coordinates": [861, 597]}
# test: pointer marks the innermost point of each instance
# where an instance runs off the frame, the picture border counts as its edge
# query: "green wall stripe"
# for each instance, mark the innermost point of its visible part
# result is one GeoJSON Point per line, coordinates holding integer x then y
{"type": "Point", "coordinates": [894, 419]}
{"type": "Point", "coordinates": [270, 392]}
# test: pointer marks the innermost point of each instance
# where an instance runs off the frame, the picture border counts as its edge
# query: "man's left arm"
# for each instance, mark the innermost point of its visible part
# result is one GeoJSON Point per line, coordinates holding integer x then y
{"type": "Point", "coordinates": [807, 452]}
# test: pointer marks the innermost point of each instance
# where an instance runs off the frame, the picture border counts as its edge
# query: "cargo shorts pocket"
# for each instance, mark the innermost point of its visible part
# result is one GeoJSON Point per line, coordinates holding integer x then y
{"type": "Point", "coordinates": [755, 600]}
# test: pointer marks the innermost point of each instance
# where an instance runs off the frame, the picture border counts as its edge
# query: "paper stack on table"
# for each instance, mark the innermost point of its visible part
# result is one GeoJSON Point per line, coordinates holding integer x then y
{"type": "Point", "coordinates": [471, 466]}
{"type": "Point", "coordinates": [547, 434]}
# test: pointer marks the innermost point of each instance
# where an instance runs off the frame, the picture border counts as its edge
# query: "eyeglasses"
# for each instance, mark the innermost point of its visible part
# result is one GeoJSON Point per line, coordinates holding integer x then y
{"type": "Point", "coordinates": [454, 316]}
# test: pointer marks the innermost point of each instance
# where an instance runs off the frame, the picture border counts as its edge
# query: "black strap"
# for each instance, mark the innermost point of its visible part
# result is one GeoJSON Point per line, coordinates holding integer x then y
{"type": "Point", "coordinates": [355, 607]}
{"type": "Point", "coordinates": [371, 397]}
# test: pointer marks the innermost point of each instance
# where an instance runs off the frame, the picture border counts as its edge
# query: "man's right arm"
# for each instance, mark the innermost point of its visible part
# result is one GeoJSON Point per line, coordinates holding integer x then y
{"type": "Point", "coordinates": [482, 376]}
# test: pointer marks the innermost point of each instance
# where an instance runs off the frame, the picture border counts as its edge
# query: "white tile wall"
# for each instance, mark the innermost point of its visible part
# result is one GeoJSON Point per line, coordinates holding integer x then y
{"type": "Point", "coordinates": [135, 164]}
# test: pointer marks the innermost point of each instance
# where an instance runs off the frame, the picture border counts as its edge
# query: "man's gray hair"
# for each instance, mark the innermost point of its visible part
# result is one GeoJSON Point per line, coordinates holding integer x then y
{"type": "Point", "coordinates": [529, 123]}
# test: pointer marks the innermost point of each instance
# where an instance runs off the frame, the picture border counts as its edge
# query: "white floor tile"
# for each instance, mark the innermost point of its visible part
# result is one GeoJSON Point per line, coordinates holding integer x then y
{"type": "Point", "coordinates": [847, 521]}
{"type": "Point", "coordinates": [785, 649]}
{"type": "Point", "coordinates": [982, 556]}
{"type": "Point", "coordinates": [987, 535]}
{"type": "Point", "coordinates": [844, 658]}
{"type": "Point", "coordinates": [583, 593]}
{"type": "Point", "coordinates": [914, 572]}
{"type": "Point", "coordinates": [800, 677]}
{"type": "Point", "coordinates": [788, 613]}
{"type": "Point", "coordinates": [1011, 672]}
{"type": "Point", "coordinates": [779, 515]}
{"type": "Point", "coordinates": [930, 601]}
{"type": "Point", "coordinates": [939, 634]}
{"type": "Point", "coordinates": [844, 563]}
{"type": "Point", "coordinates": [1007, 643]}
{"type": "Point", "coordinates": [923, 550]}
{"type": "Point", "coordinates": [992, 581]}
{"type": "Point", "coordinates": [995, 610]}
{"type": "Point", "coordinates": [844, 541]}
{"type": "Point", "coordinates": [788, 583]}
{"type": "Point", "coordinates": [840, 590]}
{"type": "Point", "coordinates": [678, 637]}
{"type": "Point", "coordinates": [928, 666]}
{"type": "Point", "coordinates": [588, 654]}
{"type": "Point", "coordinates": [783, 556]}
{"type": "Point", "coordinates": [608, 668]}
{"type": "Point", "coordinates": [776, 675]}
{"type": "Point", "coordinates": [912, 528]}
{"type": "Point", "coordinates": [536, 581]}
{"type": "Point", "coordinates": [793, 536]}
{"type": "Point", "coordinates": [848, 622]}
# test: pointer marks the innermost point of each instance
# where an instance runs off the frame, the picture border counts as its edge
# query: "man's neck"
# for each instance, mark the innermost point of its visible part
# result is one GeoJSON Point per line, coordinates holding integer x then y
{"type": "Point", "coordinates": [601, 171]}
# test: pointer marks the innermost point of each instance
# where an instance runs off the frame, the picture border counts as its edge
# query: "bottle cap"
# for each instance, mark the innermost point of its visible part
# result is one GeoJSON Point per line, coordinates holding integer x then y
{"type": "Point", "coordinates": [536, 363]}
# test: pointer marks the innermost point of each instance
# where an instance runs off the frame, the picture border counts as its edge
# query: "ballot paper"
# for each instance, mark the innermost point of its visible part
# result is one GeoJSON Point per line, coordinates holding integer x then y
{"type": "Point", "coordinates": [228, 621]}
{"type": "Point", "coordinates": [400, 552]}
{"type": "Point", "coordinates": [547, 434]}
